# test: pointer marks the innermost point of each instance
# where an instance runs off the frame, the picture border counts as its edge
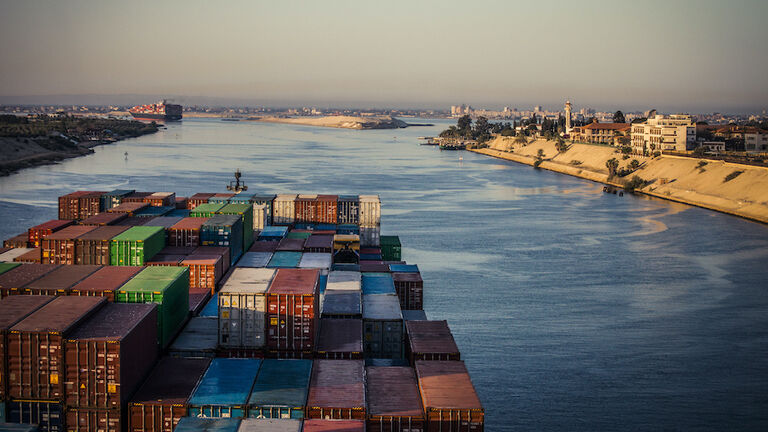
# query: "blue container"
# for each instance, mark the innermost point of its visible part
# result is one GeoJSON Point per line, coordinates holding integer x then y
{"type": "Point", "coordinates": [194, 424]}
{"type": "Point", "coordinates": [225, 388]}
{"type": "Point", "coordinates": [114, 198]}
{"type": "Point", "coordinates": [179, 213]}
{"type": "Point", "coordinates": [211, 308]}
{"type": "Point", "coordinates": [48, 415]}
{"type": "Point", "coordinates": [384, 362]}
{"type": "Point", "coordinates": [270, 233]}
{"type": "Point", "coordinates": [241, 198]}
{"type": "Point", "coordinates": [378, 283]}
{"type": "Point", "coordinates": [325, 227]}
{"type": "Point", "coordinates": [322, 282]}
{"type": "Point", "coordinates": [370, 257]}
{"type": "Point", "coordinates": [226, 231]}
{"type": "Point", "coordinates": [2, 412]}
{"type": "Point", "coordinates": [153, 211]}
{"type": "Point", "coordinates": [218, 200]}
{"type": "Point", "coordinates": [303, 225]}
{"type": "Point", "coordinates": [281, 389]}
{"type": "Point", "coordinates": [346, 267]}
{"type": "Point", "coordinates": [348, 229]}
{"type": "Point", "coordinates": [284, 259]}
{"type": "Point", "coordinates": [404, 268]}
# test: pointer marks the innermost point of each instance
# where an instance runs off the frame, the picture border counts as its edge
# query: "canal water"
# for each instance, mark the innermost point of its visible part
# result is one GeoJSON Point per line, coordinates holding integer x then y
{"type": "Point", "coordinates": [573, 309]}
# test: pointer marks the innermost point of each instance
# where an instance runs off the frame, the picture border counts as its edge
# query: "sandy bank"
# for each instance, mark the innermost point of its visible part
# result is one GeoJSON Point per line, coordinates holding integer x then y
{"type": "Point", "coordinates": [669, 177]}
{"type": "Point", "coordinates": [346, 122]}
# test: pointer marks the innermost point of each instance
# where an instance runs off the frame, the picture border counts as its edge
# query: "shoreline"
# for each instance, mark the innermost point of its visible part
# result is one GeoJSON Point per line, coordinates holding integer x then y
{"type": "Point", "coordinates": [730, 206]}
{"type": "Point", "coordinates": [341, 122]}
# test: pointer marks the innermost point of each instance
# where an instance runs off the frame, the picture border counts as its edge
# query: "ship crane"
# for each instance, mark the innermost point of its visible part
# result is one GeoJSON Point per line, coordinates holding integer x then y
{"type": "Point", "coordinates": [236, 186]}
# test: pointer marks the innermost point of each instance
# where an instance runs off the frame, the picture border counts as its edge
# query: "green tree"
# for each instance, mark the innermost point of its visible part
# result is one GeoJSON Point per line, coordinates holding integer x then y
{"type": "Point", "coordinates": [464, 124]}
{"type": "Point", "coordinates": [612, 164]}
{"type": "Point", "coordinates": [539, 158]}
{"type": "Point", "coordinates": [618, 117]}
{"type": "Point", "coordinates": [520, 139]}
{"type": "Point", "coordinates": [561, 146]}
{"type": "Point", "coordinates": [634, 164]}
{"type": "Point", "coordinates": [482, 129]}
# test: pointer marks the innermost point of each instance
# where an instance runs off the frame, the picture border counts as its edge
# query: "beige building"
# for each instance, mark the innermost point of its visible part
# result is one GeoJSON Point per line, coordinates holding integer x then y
{"type": "Point", "coordinates": [601, 133]}
{"type": "Point", "coordinates": [676, 133]}
{"type": "Point", "coordinates": [756, 141]}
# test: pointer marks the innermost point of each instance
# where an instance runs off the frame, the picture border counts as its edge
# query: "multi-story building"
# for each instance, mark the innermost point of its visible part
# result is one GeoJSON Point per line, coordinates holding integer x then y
{"type": "Point", "coordinates": [601, 133]}
{"type": "Point", "coordinates": [664, 133]}
{"type": "Point", "coordinates": [756, 141]}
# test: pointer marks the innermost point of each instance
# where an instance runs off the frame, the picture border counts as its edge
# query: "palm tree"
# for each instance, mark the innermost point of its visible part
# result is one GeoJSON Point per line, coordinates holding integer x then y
{"type": "Point", "coordinates": [612, 164]}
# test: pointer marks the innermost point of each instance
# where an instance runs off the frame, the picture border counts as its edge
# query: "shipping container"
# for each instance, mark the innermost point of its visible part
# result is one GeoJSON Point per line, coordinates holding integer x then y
{"type": "Point", "coordinates": [370, 236]}
{"type": "Point", "coordinates": [11, 255]}
{"type": "Point", "coordinates": [186, 232]}
{"type": "Point", "coordinates": [317, 425]}
{"type": "Point", "coordinates": [319, 243]}
{"type": "Point", "coordinates": [391, 249]}
{"type": "Point", "coordinates": [197, 299]}
{"type": "Point", "coordinates": [136, 197]}
{"type": "Point", "coordinates": [164, 221]}
{"type": "Point", "coordinates": [224, 231]}
{"type": "Point", "coordinates": [15, 427]}
{"type": "Point", "coordinates": [264, 246]}
{"type": "Point", "coordinates": [12, 310]}
{"type": "Point", "coordinates": [180, 205]}
{"type": "Point", "coordinates": [374, 267]}
{"type": "Point", "coordinates": [14, 280]}
{"type": "Point", "coordinates": [305, 208]}
{"type": "Point", "coordinates": [69, 205]}
{"type": "Point", "coordinates": [89, 205]}
{"type": "Point", "coordinates": [370, 257]}
{"type": "Point", "coordinates": [205, 271]}
{"type": "Point", "coordinates": [316, 260]}
{"type": "Point", "coordinates": [326, 209]}
{"type": "Point", "coordinates": [261, 216]}
{"type": "Point", "coordinates": [370, 211]}
{"type": "Point", "coordinates": [194, 424]}
{"type": "Point", "coordinates": [32, 256]}
{"type": "Point", "coordinates": [223, 252]}
{"type": "Point", "coordinates": [337, 390]}
{"type": "Point", "coordinates": [394, 402]}
{"type": "Point", "coordinates": [293, 310]}
{"type": "Point", "coordinates": [114, 198]}
{"type": "Point", "coordinates": [245, 211]}
{"type": "Point", "coordinates": [266, 200]}
{"type": "Point", "coordinates": [269, 425]}
{"type": "Point", "coordinates": [342, 304]}
{"type": "Point", "coordinates": [94, 247]}
{"type": "Point", "coordinates": [382, 326]}
{"type": "Point", "coordinates": [221, 198]}
{"type": "Point", "coordinates": [448, 396]}
{"type": "Point", "coordinates": [207, 210]}
{"type": "Point", "coordinates": [340, 339]}
{"type": "Point", "coordinates": [410, 290]}
{"type": "Point", "coordinates": [346, 248]}
{"type": "Point", "coordinates": [225, 388]}
{"type": "Point", "coordinates": [60, 280]}
{"type": "Point", "coordinates": [197, 340]}
{"type": "Point", "coordinates": [108, 356]}
{"type": "Point", "coordinates": [404, 268]}
{"type": "Point", "coordinates": [161, 199]}
{"type": "Point", "coordinates": [168, 287]}
{"type": "Point", "coordinates": [93, 419]}
{"type": "Point", "coordinates": [47, 415]}
{"type": "Point", "coordinates": [60, 247]}
{"type": "Point", "coordinates": [347, 229]}
{"type": "Point", "coordinates": [163, 398]}
{"type": "Point", "coordinates": [348, 210]}
{"type": "Point", "coordinates": [242, 307]}
{"type": "Point", "coordinates": [182, 213]}
{"type": "Point", "coordinates": [136, 245]}
{"type": "Point", "coordinates": [132, 221]}
{"type": "Point", "coordinates": [166, 260]}
{"type": "Point", "coordinates": [280, 391]}
{"type": "Point", "coordinates": [5, 266]}
{"type": "Point", "coordinates": [38, 232]}
{"type": "Point", "coordinates": [35, 348]}
{"type": "Point", "coordinates": [104, 219]}
{"type": "Point", "coordinates": [414, 315]}
{"type": "Point", "coordinates": [17, 241]}
{"type": "Point", "coordinates": [198, 199]}
{"type": "Point", "coordinates": [273, 233]}
{"type": "Point", "coordinates": [255, 259]}
{"type": "Point", "coordinates": [345, 280]}
{"type": "Point", "coordinates": [298, 234]}
{"type": "Point", "coordinates": [129, 208]}
{"type": "Point", "coordinates": [153, 211]}
{"type": "Point", "coordinates": [105, 282]}
{"type": "Point", "coordinates": [285, 260]}
{"type": "Point", "coordinates": [211, 308]}
{"type": "Point", "coordinates": [378, 283]}
{"type": "Point", "coordinates": [291, 244]}
{"type": "Point", "coordinates": [284, 211]}
{"type": "Point", "coordinates": [430, 340]}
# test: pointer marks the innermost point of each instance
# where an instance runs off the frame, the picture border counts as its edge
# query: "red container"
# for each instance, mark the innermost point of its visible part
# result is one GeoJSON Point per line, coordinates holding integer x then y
{"type": "Point", "coordinates": [19, 241]}
{"type": "Point", "coordinates": [13, 281]}
{"type": "Point", "coordinates": [12, 310]}
{"type": "Point", "coordinates": [60, 280]}
{"type": "Point", "coordinates": [59, 247]}
{"type": "Point", "coordinates": [319, 243]}
{"type": "Point", "coordinates": [334, 426]}
{"type": "Point", "coordinates": [221, 251]}
{"type": "Point", "coordinates": [101, 420]}
{"type": "Point", "coordinates": [305, 208]}
{"type": "Point", "coordinates": [107, 357]}
{"type": "Point", "coordinates": [33, 256]}
{"type": "Point", "coordinates": [197, 199]}
{"type": "Point", "coordinates": [128, 207]}
{"type": "Point", "coordinates": [291, 244]}
{"type": "Point", "coordinates": [340, 339]}
{"type": "Point", "coordinates": [181, 203]}
{"type": "Point", "coordinates": [205, 271]}
{"type": "Point", "coordinates": [374, 266]}
{"type": "Point", "coordinates": [292, 310]}
{"type": "Point", "coordinates": [38, 232]}
{"type": "Point", "coordinates": [448, 396]}
{"type": "Point", "coordinates": [336, 390]}
{"type": "Point", "coordinates": [326, 210]}
{"type": "Point", "coordinates": [69, 205]}
{"type": "Point", "coordinates": [264, 246]}
{"type": "Point", "coordinates": [186, 232]}
{"type": "Point", "coordinates": [89, 204]}
{"type": "Point", "coordinates": [93, 247]}
{"type": "Point", "coordinates": [161, 199]}
{"type": "Point", "coordinates": [36, 347]}
{"type": "Point", "coordinates": [394, 403]}
{"type": "Point", "coordinates": [430, 340]}
{"type": "Point", "coordinates": [163, 399]}
{"type": "Point", "coordinates": [370, 251]}
{"type": "Point", "coordinates": [105, 282]}
{"type": "Point", "coordinates": [103, 219]}
{"type": "Point", "coordinates": [166, 260]}
{"type": "Point", "coordinates": [410, 290]}
{"type": "Point", "coordinates": [136, 197]}
{"type": "Point", "coordinates": [132, 221]}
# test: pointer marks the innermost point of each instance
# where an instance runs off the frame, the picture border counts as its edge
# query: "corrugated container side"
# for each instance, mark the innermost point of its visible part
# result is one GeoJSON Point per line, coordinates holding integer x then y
{"type": "Point", "coordinates": [18, 241]}
{"type": "Point", "coordinates": [340, 339]}
{"type": "Point", "coordinates": [105, 282]}
{"type": "Point", "coordinates": [94, 246]}
{"type": "Point", "coordinates": [205, 271]}
{"type": "Point", "coordinates": [280, 391]}
{"type": "Point", "coordinates": [224, 231]}
{"type": "Point", "coordinates": [197, 199]}
{"type": "Point", "coordinates": [103, 219]}
{"type": "Point", "coordinates": [410, 290]}
{"type": "Point", "coordinates": [326, 209]}
{"type": "Point", "coordinates": [38, 232]}
{"type": "Point", "coordinates": [13, 281]}
{"type": "Point", "coordinates": [49, 416]}
{"type": "Point", "coordinates": [136, 245]}
{"type": "Point", "coordinates": [292, 310]}
{"type": "Point", "coordinates": [394, 402]}
{"type": "Point", "coordinates": [255, 259]}
{"type": "Point", "coordinates": [60, 280]}
{"type": "Point", "coordinates": [448, 396]}
{"type": "Point", "coordinates": [242, 307]}
{"type": "Point", "coordinates": [94, 419]}
{"type": "Point", "coordinates": [194, 424]}
{"type": "Point", "coordinates": [348, 210]}
{"type": "Point", "coordinates": [430, 340]}
{"type": "Point", "coordinates": [225, 388]}
{"type": "Point", "coordinates": [245, 211]}
{"type": "Point", "coordinates": [337, 390]}
{"type": "Point", "coordinates": [370, 211]}
{"type": "Point", "coordinates": [382, 326]}
{"type": "Point", "coordinates": [284, 212]}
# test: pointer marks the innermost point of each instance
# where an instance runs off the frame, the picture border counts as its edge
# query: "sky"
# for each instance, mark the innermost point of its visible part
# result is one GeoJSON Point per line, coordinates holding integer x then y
{"type": "Point", "coordinates": [673, 55]}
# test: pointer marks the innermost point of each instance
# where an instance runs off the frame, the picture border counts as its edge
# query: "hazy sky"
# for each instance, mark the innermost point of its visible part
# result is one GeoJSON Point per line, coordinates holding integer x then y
{"type": "Point", "coordinates": [698, 55]}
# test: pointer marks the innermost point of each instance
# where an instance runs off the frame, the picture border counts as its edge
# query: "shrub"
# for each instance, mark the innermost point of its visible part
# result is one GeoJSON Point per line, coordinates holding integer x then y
{"type": "Point", "coordinates": [656, 154]}
{"type": "Point", "coordinates": [576, 162]}
{"type": "Point", "coordinates": [732, 176]}
{"type": "Point", "coordinates": [633, 184]}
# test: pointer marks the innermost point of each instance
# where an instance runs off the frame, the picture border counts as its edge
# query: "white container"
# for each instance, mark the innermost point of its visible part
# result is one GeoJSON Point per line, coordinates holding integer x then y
{"type": "Point", "coordinates": [344, 280]}
{"type": "Point", "coordinates": [285, 209]}
{"type": "Point", "coordinates": [316, 260]}
{"type": "Point", "coordinates": [242, 307]}
{"type": "Point", "coordinates": [370, 211]}
{"type": "Point", "coordinates": [254, 259]}
{"type": "Point", "coordinates": [260, 216]}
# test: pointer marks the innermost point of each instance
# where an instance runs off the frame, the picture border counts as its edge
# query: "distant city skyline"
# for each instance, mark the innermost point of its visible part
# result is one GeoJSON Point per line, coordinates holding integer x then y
{"type": "Point", "coordinates": [684, 56]}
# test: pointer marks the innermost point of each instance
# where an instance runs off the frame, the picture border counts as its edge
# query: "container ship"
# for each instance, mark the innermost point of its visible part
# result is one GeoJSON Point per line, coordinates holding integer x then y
{"type": "Point", "coordinates": [157, 111]}
{"type": "Point", "coordinates": [234, 312]}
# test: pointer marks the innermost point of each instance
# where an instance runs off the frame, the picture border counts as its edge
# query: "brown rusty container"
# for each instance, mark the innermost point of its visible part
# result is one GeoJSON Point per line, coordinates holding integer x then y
{"type": "Point", "coordinates": [340, 339]}
{"type": "Point", "coordinates": [318, 425]}
{"type": "Point", "coordinates": [60, 281]}
{"type": "Point", "coordinates": [430, 340]}
{"type": "Point", "coordinates": [105, 282]}
{"type": "Point", "coordinates": [326, 210]}
{"type": "Point", "coordinates": [93, 247]}
{"type": "Point", "coordinates": [221, 251]}
{"type": "Point", "coordinates": [374, 266]}
{"type": "Point", "coordinates": [89, 419]}
{"type": "Point", "coordinates": [36, 347]}
{"type": "Point", "coordinates": [161, 199]}
{"type": "Point", "coordinates": [89, 204]}
{"type": "Point", "coordinates": [34, 256]}
{"type": "Point", "coordinates": [108, 356]}
{"type": "Point", "coordinates": [59, 247]}
{"type": "Point", "coordinates": [39, 232]}
{"type": "Point", "coordinates": [319, 243]}
{"type": "Point", "coordinates": [69, 205]}
{"type": "Point", "coordinates": [337, 390]}
{"type": "Point", "coordinates": [410, 290]}
{"type": "Point", "coordinates": [103, 219]}
{"type": "Point", "coordinates": [197, 199]}
{"type": "Point", "coordinates": [291, 245]}
{"type": "Point", "coordinates": [128, 207]}
{"type": "Point", "coordinates": [305, 208]}
{"type": "Point", "coordinates": [448, 396]}
{"type": "Point", "coordinates": [132, 221]}
{"type": "Point", "coordinates": [12, 310]}
{"type": "Point", "coordinates": [394, 403]}
{"type": "Point", "coordinates": [178, 250]}
{"type": "Point", "coordinates": [292, 310]}
{"type": "Point", "coordinates": [264, 246]}
{"type": "Point", "coordinates": [166, 260]}
{"type": "Point", "coordinates": [205, 271]}
{"type": "Point", "coordinates": [181, 203]}
{"type": "Point", "coordinates": [136, 197]}
{"type": "Point", "coordinates": [186, 232]}
{"type": "Point", "coordinates": [13, 281]}
{"type": "Point", "coordinates": [18, 241]}
{"type": "Point", "coordinates": [163, 399]}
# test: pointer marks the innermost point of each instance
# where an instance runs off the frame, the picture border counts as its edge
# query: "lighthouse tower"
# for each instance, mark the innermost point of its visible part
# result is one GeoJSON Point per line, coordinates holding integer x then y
{"type": "Point", "coordinates": [567, 116]}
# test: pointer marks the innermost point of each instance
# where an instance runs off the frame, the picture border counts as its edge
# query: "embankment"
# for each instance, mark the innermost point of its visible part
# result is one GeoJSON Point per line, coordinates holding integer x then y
{"type": "Point", "coordinates": [345, 122]}
{"type": "Point", "coordinates": [740, 190]}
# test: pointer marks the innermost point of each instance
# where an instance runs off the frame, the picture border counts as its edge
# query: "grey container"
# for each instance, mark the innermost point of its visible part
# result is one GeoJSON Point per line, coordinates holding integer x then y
{"type": "Point", "coordinates": [342, 304]}
{"type": "Point", "coordinates": [382, 326]}
{"type": "Point", "coordinates": [270, 425]}
{"type": "Point", "coordinates": [198, 339]}
{"type": "Point", "coordinates": [316, 260]}
{"type": "Point", "coordinates": [414, 315]}
{"type": "Point", "coordinates": [242, 307]}
{"type": "Point", "coordinates": [255, 259]}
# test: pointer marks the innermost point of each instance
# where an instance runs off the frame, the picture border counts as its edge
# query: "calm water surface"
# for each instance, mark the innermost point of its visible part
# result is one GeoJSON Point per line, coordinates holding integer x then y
{"type": "Point", "coordinates": [574, 310]}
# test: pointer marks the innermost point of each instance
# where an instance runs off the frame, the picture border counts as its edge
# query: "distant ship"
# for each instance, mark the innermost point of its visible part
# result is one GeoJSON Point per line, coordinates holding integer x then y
{"type": "Point", "coordinates": [156, 111]}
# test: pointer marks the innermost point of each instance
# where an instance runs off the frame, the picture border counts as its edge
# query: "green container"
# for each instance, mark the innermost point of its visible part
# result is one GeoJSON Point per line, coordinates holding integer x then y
{"type": "Point", "coordinates": [246, 212]}
{"type": "Point", "coordinates": [5, 266]}
{"type": "Point", "coordinates": [207, 210]}
{"type": "Point", "coordinates": [390, 248]}
{"type": "Point", "coordinates": [285, 259]}
{"type": "Point", "coordinates": [298, 235]}
{"type": "Point", "coordinates": [136, 245]}
{"type": "Point", "coordinates": [168, 287]}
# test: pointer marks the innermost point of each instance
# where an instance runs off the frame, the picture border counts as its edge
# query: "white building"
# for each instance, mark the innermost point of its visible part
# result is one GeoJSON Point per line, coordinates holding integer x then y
{"type": "Point", "coordinates": [663, 133]}
{"type": "Point", "coordinates": [756, 142]}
